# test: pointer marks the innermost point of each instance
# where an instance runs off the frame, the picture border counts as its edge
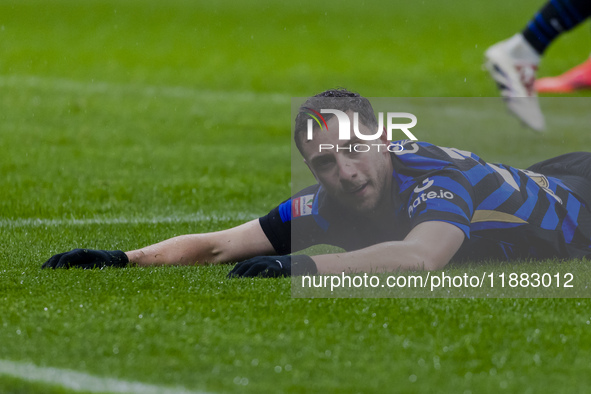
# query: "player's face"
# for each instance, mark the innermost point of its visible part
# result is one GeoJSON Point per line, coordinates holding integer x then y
{"type": "Point", "coordinates": [359, 181]}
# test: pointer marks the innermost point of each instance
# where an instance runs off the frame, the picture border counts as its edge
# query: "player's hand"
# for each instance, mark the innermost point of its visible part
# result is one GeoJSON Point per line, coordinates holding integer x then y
{"type": "Point", "coordinates": [87, 259]}
{"type": "Point", "coordinates": [273, 266]}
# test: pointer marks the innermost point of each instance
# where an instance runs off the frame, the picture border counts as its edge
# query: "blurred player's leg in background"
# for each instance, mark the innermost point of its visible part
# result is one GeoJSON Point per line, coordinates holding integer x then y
{"type": "Point", "coordinates": [576, 78]}
{"type": "Point", "coordinates": [513, 62]}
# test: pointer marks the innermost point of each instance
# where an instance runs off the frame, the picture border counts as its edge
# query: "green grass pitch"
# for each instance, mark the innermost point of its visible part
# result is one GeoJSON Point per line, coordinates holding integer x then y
{"type": "Point", "coordinates": [123, 123]}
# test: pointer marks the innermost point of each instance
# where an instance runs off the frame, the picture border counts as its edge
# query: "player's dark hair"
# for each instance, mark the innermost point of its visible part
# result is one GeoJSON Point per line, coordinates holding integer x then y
{"type": "Point", "coordinates": [340, 99]}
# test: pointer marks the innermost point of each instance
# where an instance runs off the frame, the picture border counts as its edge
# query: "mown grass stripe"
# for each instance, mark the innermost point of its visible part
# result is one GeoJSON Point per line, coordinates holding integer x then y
{"type": "Point", "coordinates": [196, 218]}
{"type": "Point", "coordinates": [79, 381]}
{"type": "Point", "coordinates": [112, 88]}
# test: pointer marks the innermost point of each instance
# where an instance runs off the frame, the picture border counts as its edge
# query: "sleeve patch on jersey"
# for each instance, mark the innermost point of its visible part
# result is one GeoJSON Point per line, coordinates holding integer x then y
{"type": "Point", "coordinates": [302, 206]}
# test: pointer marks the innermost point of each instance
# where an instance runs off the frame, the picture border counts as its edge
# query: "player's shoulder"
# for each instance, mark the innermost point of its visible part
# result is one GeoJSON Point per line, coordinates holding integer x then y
{"type": "Point", "coordinates": [310, 190]}
{"type": "Point", "coordinates": [425, 156]}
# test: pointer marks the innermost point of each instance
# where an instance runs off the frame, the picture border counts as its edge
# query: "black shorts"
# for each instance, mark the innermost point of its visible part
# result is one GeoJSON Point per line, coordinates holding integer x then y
{"type": "Point", "coordinates": [574, 169]}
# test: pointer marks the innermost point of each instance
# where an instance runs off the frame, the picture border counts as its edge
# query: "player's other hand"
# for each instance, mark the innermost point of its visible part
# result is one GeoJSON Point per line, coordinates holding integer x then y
{"type": "Point", "coordinates": [87, 259]}
{"type": "Point", "coordinates": [273, 266]}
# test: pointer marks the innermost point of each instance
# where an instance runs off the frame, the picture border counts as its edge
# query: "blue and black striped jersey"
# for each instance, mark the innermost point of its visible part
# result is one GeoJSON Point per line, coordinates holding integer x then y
{"type": "Point", "coordinates": [505, 213]}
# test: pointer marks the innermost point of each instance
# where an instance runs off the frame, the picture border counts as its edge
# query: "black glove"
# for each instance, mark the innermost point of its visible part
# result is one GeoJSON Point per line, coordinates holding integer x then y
{"type": "Point", "coordinates": [274, 266]}
{"type": "Point", "coordinates": [87, 258]}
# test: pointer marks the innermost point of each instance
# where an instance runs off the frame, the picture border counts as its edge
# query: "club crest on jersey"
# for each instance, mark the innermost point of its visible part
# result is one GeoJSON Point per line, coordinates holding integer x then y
{"type": "Point", "coordinates": [430, 195]}
{"type": "Point", "coordinates": [543, 183]}
{"type": "Point", "coordinates": [302, 206]}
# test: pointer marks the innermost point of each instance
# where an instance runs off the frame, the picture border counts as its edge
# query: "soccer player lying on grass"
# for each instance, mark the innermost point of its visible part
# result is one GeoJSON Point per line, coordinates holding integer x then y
{"type": "Point", "coordinates": [414, 207]}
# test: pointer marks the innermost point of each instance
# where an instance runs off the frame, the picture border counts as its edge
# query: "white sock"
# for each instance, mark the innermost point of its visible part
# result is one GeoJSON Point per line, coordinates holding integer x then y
{"type": "Point", "coordinates": [520, 49]}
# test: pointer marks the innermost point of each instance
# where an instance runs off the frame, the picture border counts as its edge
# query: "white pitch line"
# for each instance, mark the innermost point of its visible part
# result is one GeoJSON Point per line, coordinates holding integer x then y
{"type": "Point", "coordinates": [100, 87]}
{"type": "Point", "coordinates": [79, 381]}
{"type": "Point", "coordinates": [195, 218]}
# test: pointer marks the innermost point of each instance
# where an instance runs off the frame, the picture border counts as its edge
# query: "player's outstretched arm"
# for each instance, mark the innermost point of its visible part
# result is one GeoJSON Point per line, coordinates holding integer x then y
{"type": "Point", "coordinates": [235, 244]}
{"type": "Point", "coordinates": [429, 246]}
